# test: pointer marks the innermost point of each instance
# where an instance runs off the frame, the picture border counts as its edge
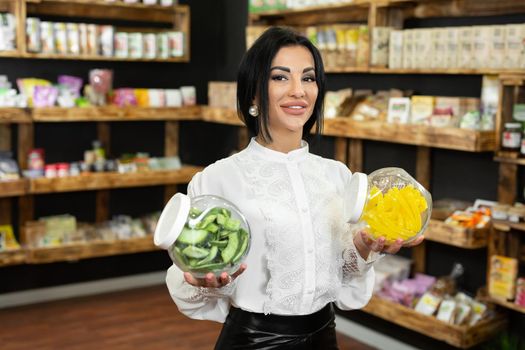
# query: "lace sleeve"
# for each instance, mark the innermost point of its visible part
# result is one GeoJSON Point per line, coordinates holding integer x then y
{"type": "Point", "coordinates": [191, 293]}
{"type": "Point", "coordinates": [353, 264]}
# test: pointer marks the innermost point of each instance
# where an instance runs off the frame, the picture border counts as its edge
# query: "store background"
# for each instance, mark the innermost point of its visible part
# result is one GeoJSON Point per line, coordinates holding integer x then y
{"type": "Point", "coordinates": [217, 44]}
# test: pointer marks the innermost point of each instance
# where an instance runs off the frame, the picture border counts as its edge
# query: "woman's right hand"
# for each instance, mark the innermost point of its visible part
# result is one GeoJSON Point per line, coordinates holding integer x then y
{"type": "Point", "coordinates": [211, 281]}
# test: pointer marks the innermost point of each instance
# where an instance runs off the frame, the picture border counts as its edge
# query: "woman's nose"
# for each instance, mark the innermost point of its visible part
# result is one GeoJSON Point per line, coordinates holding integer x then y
{"type": "Point", "coordinates": [296, 88]}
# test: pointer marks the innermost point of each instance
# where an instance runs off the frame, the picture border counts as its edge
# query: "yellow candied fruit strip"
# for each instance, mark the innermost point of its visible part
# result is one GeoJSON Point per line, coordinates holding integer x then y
{"type": "Point", "coordinates": [395, 214]}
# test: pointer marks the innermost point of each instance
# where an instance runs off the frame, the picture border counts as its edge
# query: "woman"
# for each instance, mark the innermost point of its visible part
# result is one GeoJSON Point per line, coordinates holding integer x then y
{"type": "Point", "coordinates": [303, 256]}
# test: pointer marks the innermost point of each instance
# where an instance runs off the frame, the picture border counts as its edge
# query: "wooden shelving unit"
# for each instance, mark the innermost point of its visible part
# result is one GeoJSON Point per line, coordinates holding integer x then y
{"type": "Point", "coordinates": [460, 336]}
{"type": "Point", "coordinates": [13, 188]}
{"type": "Point", "coordinates": [14, 115]}
{"type": "Point", "coordinates": [506, 226]}
{"type": "Point", "coordinates": [461, 237]}
{"type": "Point", "coordinates": [104, 181]}
{"type": "Point", "coordinates": [114, 113]}
{"type": "Point", "coordinates": [507, 305]}
{"type": "Point", "coordinates": [13, 257]}
{"type": "Point", "coordinates": [94, 58]}
{"type": "Point", "coordinates": [75, 252]}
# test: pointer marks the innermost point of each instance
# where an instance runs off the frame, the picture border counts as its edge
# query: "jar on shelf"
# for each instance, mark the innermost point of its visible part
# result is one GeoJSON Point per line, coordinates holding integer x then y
{"type": "Point", "coordinates": [203, 234]}
{"type": "Point", "coordinates": [388, 203]}
{"type": "Point", "coordinates": [511, 137]}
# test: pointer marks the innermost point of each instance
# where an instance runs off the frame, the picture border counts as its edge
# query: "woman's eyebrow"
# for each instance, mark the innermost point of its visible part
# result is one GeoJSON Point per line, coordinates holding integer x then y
{"type": "Point", "coordinates": [286, 69]}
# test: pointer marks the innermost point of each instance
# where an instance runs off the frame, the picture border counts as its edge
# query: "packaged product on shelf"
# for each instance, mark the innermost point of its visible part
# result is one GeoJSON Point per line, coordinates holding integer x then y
{"type": "Point", "coordinates": [121, 45]}
{"type": "Point", "coordinates": [71, 83]}
{"type": "Point", "coordinates": [167, 2]}
{"type": "Point", "coordinates": [189, 95]}
{"type": "Point", "coordinates": [422, 108]}
{"type": "Point", "coordinates": [101, 82]}
{"type": "Point", "coordinates": [422, 48]}
{"type": "Point", "coordinates": [47, 37]}
{"type": "Point", "coordinates": [135, 45]}
{"type": "Point", "coordinates": [520, 292]}
{"type": "Point", "coordinates": [7, 32]}
{"type": "Point", "coordinates": [482, 37]}
{"type": "Point", "coordinates": [83, 37]}
{"type": "Point", "coordinates": [463, 311]}
{"type": "Point", "coordinates": [157, 97]}
{"type": "Point", "coordinates": [477, 313]}
{"type": "Point", "coordinates": [363, 47]}
{"type": "Point", "coordinates": [408, 49]}
{"type": "Point", "coordinates": [33, 43]}
{"type": "Point", "coordinates": [446, 311]}
{"type": "Point", "coordinates": [447, 285]}
{"type": "Point", "coordinates": [73, 38]}
{"type": "Point", "coordinates": [106, 36]}
{"type": "Point", "coordinates": [439, 48]}
{"type": "Point", "coordinates": [124, 97]}
{"type": "Point", "coordinates": [45, 96]}
{"type": "Point", "coordinates": [163, 45]}
{"type": "Point", "coordinates": [466, 51]}
{"type": "Point", "coordinates": [50, 171]}
{"type": "Point", "coordinates": [340, 59]}
{"type": "Point", "coordinates": [150, 45]}
{"type": "Point", "coordinates": [8, 168]}
{"type": "Point", "coordinates": [428, 304]}
{"type": "Point", "coordinates": [503, 272]}
{"type": "Point", "coordinates": [395, 49]}
{"type": "Point", "coordinates": [142, 97]}
{"type": "Point", "coordinates": [60, 34]}
{"type": "Point", "coordinates": [173, 98]}
{"type": "Point", "coordinates": [452, 47]}
{"type": "Point", "coordinates": [334, 101]}
{"type": "Point", "coordinates": [514, 45]}
{"type": "Point", "coordinates": [352, 38]}
{"type": "Point", "coordinates": [380, 46]}
{"type": "Point", "coordinates": [398, 110]}
{"type": "Point", "coordinates": [7, 238]}
{"type": "Point", "coordinates": [93, 48]}
{"type": "Point", "coordinates": [176, 44]}
{"type": "Point", "coordinates": [27, 87]}
{"type": "Point", "coordinates": [58, 229]}
{"type": "Point", "coordinates": [222, 94]}
{"type": "Point", "coordinates": [511, 137]}
{"type": "Point", "coordinates": [497, 47]}
{"type": "Point", "coordinates": [149, 2]}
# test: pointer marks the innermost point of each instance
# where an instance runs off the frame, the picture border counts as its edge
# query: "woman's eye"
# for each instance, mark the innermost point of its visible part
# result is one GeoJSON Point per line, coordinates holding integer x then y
{"type": "Point", "coordinates": [278, 77]}
{"type": "Point", "coordinates": [309, 78]}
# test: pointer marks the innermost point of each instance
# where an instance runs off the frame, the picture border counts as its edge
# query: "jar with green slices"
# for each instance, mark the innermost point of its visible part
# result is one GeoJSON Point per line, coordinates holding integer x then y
{"type": "Point", "coordinates": [203, 234]}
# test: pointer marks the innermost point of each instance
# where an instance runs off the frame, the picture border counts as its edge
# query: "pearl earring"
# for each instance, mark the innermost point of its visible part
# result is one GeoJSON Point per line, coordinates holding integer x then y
{"type": "Point", "coordinates": [253, 111]}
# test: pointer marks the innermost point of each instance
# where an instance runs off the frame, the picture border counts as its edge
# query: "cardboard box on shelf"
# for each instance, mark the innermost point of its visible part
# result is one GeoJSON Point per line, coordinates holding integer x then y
{"type": "Point", "coordinates": [408, 48]}
{"type": "Point", "coordinates": [497, 49]}
{"type": "Point", "coordinates": [439, 48]}
{"type": "Point", "coordinates": [452, 47]}
{"type": "Point", "coordinates": [514, 46]}
{"type": "Point", "coordinates": [363, 47]}
{"type": "Point", "coordinates": [395, 49]}
{"type": "Point", "coordinates": [422, 107]}
{"type": "Point", "coordinates": [465, 52]}
{"type": "Point", "coordinates": [502, 277]}
{"type": "Point", "coordinates": [482, 37]}
{"type": "Point", "coordinates": [380, 43]}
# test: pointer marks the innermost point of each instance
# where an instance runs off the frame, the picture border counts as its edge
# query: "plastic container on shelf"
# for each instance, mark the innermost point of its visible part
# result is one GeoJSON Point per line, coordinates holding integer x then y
{"type": "Point", "coordinates": [388, 203]}
{"type": "Point", "coordinates": [203, 234]}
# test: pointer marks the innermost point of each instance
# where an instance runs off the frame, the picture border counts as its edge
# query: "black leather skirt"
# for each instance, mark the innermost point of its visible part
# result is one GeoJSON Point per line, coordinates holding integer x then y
{"type": "Point", "coordinates": [247, 330]}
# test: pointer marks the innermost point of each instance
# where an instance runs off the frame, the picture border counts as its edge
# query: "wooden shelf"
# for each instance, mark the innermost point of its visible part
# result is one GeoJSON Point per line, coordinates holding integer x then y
{"type": "Point", "coordinates": [75, 252]}
{"type": "Point", "coordinates": [459, 336]}
{"type": "Point", "coordinates": [13, 257]}
{"type": "Point", "coordinates": [14, 115]}
{"type": "Point", "coordinates": [220, 115]}
{"type": "Point", "coordinates": [504, 157]}
{"type": "Point", "coordinates": [506, 226]}
{"type": "Point", "coordinates": [94, 58]}
{"type": "Point", "coordinates": [461, 237]}
{"type": "Point", "coordinates": [114, 113]}
{"type": "Point", "coordinates": [103, 9]}
{"type": "Point", "coordinates": [419, 135]}
{"type": "Point", "coordinates": [452, 71]}
{"type": "Point", "coordinates": [507, 304]}
{"type": "Point", "coordinates": [13, 188]}
{"type": "Point", "coordinates": [310, 9]}
{"type": "Point", "coordinates": [100, 181]}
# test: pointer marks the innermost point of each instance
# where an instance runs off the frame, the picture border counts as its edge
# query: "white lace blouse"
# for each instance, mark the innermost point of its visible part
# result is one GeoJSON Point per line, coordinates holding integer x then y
{"type": "Point", "coordinates": [302, 254]}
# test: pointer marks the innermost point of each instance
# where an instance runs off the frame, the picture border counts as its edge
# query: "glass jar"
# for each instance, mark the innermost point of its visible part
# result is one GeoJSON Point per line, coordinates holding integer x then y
{"type": "Point", "coordinates": [388, 203]}
{"type": "Point", "coordinates": [203, 234]}
{"type": "Point", "coordinates": [511, 137]}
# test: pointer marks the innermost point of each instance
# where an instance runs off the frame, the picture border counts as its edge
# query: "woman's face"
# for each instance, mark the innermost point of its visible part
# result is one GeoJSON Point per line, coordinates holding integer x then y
{"type": "Point", "coordinates": [292, 90]}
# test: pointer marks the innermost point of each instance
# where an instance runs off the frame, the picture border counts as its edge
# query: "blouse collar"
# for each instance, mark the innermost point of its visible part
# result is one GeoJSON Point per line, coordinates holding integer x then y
{"type": "Point", "coordinates": [270, 154]}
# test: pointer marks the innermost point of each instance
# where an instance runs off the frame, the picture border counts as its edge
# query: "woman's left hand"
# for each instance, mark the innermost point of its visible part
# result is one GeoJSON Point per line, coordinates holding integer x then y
{"type": "Point", "coordinates": [364, 244]}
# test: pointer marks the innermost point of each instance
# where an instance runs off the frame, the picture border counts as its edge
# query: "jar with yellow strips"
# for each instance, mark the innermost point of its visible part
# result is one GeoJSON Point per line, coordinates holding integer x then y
{"type": "Point", "coordinates": [388, 203]}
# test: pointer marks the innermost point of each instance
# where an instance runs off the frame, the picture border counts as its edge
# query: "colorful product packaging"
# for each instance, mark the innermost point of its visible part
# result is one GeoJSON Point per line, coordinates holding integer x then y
{"type": "Point", "coordinates": [33, 42]}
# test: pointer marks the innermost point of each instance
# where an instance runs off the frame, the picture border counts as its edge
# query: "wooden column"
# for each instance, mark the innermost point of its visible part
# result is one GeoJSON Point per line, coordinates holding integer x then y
{"type": "Point", "coordinates": [102, 196]}
{"type": "Point", "coordinates": [171, 149]}
{"type": "Point", "coordinates": [5, 145]}
{"type": "Point", "coordinates": [507, 183]}
{"type": "Point", "coordinates": [26, 137]}
{"type": "Point", "coordinates": [355, 155]}
{"type": "Point", "coordinates": [423, 171]}
{"type": "Point", "coordinates": [341, 149]}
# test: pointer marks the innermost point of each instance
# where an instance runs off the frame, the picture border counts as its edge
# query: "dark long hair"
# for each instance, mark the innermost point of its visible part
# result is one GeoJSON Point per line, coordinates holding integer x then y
{"type": "Point", "coordinates": [253, 76]}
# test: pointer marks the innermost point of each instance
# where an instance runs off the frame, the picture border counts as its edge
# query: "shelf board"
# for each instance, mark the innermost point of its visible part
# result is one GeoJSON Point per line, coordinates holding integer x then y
{"type": "Point", "coordinates": [512, 158]}
{"type": "Point", "coordinates": [9, 54]}
{"type": "Point", "coordinates": [451, 71]}
{"type": "Point", "coordinates": [13, 257]}
{"type": "Point", "coordinates": [100, 181]}
{"type": "Point", "coordinates": [419, 135]}
{"type": "Point", "coordinates": [92, 57]}
{"type": "Point", "coordinates": [108, 10]}
{"type": "Point", "coordinates": [79, 251]}
{"type": "Point", "coordinates": [459, 336]}
{"type": "Point", "coordinates": [507, 304]}
{"type": "Point", "coordinates": [438, 231]}
{"type": "Point", "coordinates": [13, 188]}
{"type": "Point", "coordinates": [503, 225]}
{"type": "Point", "coordinates": [220, 115]}
{"type": "Point", "coordinates": [115, 113]}
{"type": "Point", "coordinates": [14, 115]}
{"type": "Point", "coordinates": [309, 9]}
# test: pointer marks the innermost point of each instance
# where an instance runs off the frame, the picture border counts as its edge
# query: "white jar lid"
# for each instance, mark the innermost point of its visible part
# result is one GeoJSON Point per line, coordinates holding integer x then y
{"type": "Point", "coordinates": [172, 220]}
{"type": "Point", "coordinates": [356, 193]}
